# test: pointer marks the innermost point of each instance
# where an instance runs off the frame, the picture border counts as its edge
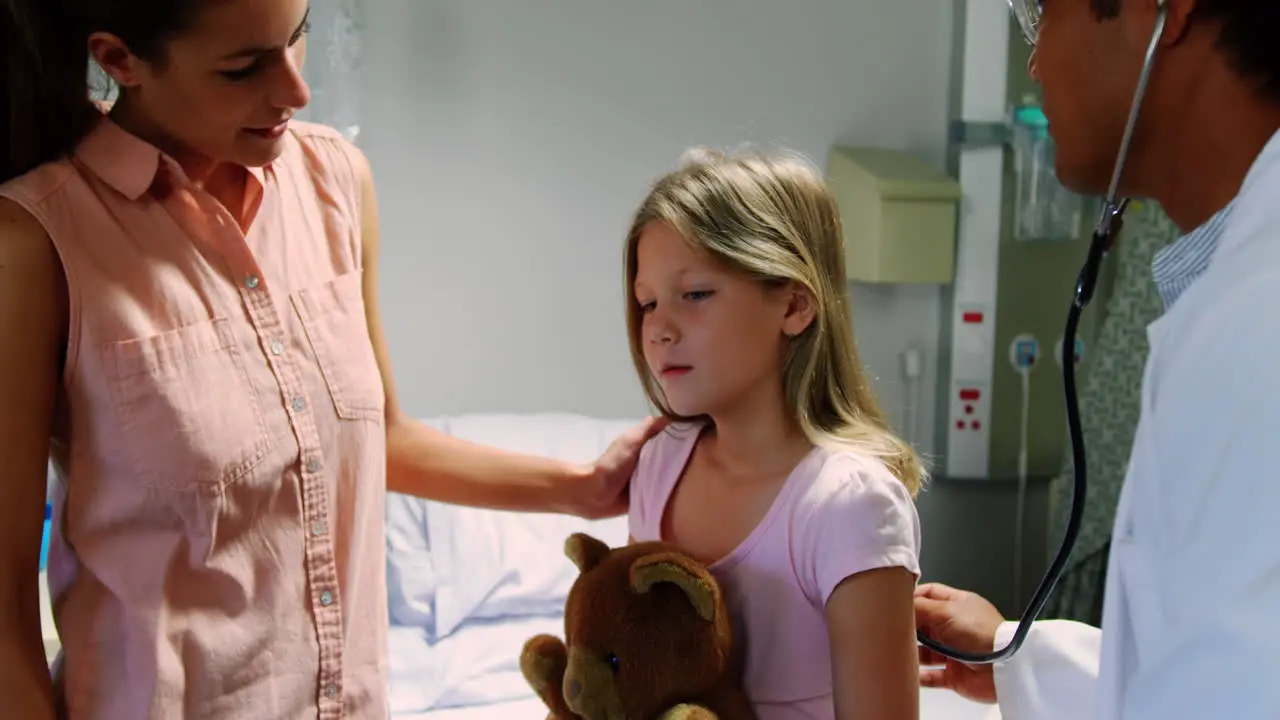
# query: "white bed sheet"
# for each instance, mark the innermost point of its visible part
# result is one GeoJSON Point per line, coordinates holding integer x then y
{"type": "Point", "coordinates": [934, 705]}
{"type": "Point", "coordinates": [530, 708]}
{"type": "Point", "coordinates": [479, 664]}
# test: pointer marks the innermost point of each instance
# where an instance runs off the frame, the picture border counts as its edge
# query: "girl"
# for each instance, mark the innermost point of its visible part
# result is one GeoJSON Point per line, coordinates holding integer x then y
{"type": "Point", "coordinates": [780, 472]}
{"type": "Point", "coordinates": [188, 317]}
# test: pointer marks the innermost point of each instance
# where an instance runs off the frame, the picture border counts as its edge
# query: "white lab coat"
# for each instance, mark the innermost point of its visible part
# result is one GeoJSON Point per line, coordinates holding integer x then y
{"type": "Point", "coordinates": [1192, 611]}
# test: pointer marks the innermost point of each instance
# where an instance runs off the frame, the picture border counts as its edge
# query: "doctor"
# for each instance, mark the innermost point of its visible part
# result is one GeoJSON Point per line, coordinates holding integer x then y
{"type": "Point", "coordinates": [1192, 611]}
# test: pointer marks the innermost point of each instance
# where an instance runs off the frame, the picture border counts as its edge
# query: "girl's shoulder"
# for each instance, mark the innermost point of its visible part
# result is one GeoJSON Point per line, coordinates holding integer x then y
{"type": "Point", "coordinates": [845, 466]}
{"type": "Point", "coordinates": [844, 481]}
{"type": "Point", "coordinates": [855, 515]}
{"type": "Point", "coordinates": [658, 468]}
{"type": "Point", "coordinates": [667, 450]}
{"type": "Point", "coordinates": [675, 438]}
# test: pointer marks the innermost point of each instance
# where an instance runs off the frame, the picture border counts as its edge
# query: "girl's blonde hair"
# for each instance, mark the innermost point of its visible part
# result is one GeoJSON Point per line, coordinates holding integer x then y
{"type": "Point", "coordinates": [772, 218]}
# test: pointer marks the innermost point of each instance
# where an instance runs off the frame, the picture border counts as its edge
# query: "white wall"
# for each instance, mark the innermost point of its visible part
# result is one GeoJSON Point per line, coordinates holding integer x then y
{"type": "Point", "coordinates": [511, 140]}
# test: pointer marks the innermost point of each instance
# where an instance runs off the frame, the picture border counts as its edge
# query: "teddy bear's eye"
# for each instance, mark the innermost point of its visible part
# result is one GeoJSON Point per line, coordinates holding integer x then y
{"type": "Point", "coordinates": [613, 661]}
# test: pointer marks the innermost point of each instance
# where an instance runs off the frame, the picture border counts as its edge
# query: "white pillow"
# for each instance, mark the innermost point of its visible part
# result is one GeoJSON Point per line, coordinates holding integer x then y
{"type": "Point", "coordinates": [447, 563]}
{"type": "Point", "coordinates": [411, 574]}
{"type": "Point", "coordinates": [493, 564]}
{"type": "Point", "coordinates": [504, 565]}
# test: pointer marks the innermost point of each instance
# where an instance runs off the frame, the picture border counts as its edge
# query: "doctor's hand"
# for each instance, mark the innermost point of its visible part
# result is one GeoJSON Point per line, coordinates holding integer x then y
{"type": "Point", "coordinates": [608, 477]}
{"type": "Point", "coordinates": [966, 622]}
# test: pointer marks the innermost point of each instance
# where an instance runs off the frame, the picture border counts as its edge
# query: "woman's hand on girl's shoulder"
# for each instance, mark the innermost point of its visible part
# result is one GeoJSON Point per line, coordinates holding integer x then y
{"type": "Point", "coordinates": [605, 492]}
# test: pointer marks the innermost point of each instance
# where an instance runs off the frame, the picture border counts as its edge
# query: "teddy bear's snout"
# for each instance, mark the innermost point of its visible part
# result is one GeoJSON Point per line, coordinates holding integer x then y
{"type": "Point", "coordinates": [589, 689]}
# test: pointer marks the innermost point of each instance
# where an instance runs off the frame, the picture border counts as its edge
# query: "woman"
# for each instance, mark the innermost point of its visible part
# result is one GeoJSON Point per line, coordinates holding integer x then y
{"type": "Point", "coordinates": [188, 291]}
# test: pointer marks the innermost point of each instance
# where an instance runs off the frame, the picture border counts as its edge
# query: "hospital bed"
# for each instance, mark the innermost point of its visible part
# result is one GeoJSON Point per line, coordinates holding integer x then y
{"type": "Point", "coordinates": [466, 587]}
{"type": "Point", "coordinates": [935, 705]}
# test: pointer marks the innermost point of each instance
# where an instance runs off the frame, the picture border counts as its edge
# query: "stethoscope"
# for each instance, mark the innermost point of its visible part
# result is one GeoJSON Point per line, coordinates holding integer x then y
{"type": "Point", "coordinates": [1028, 14]}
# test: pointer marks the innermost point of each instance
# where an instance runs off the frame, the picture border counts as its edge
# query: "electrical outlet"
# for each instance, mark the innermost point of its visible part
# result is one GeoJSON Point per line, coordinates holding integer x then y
{"type": "Point", "coordinates": [1024, 352]}
{"type": "Point", "coordinates": [968, 436]}
{"type": "Point", "coordinates": [1057, 351]}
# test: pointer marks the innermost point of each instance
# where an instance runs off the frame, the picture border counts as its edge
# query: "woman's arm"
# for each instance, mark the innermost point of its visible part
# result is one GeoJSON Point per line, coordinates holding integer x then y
{"type": "Point", "coordinates": [874, 661]}
{"type": "Point", "coordinates": [32, 328]}
{"type": "Point", "coordinates": [427, 463]}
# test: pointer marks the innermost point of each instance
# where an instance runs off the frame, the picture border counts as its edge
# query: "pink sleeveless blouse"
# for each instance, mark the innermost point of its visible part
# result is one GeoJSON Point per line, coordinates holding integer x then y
{"type": "Point", "coordinates": [218, 549]}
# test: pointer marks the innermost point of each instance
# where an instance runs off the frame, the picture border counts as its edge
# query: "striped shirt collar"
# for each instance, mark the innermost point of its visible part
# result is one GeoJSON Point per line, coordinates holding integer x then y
{"type": "Point", "coordinates": [1177, 265]}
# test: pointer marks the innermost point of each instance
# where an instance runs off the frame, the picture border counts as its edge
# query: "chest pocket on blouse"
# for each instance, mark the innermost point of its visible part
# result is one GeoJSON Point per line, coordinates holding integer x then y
{"type": "Point", "coordinates": [333, 315]}
{"type": "Point", "coordinates": [190, 416]}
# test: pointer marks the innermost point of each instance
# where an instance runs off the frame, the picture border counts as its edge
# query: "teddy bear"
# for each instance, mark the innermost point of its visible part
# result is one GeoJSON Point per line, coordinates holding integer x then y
{"type": "Point", "coordinates": [647, 637]}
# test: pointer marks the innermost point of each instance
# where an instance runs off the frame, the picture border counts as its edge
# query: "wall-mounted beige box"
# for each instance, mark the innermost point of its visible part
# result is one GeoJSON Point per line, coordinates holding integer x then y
{"type": "Point", "coordinates": [899, 215]}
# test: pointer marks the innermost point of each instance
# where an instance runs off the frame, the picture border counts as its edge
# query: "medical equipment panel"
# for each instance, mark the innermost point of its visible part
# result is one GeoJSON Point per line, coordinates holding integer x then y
{"type": "Point", "coordinates": [1020, 232]}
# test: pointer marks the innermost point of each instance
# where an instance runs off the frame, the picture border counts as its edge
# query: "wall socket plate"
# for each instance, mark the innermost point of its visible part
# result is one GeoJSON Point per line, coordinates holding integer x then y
{"type": "Point", "coordinates": [969, 436]}
{"type": "Point", "coordinates": [1024, 352]}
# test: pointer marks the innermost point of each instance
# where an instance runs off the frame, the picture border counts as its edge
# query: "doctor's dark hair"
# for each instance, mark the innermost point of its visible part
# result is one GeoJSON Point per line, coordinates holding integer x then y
{"type": "Point", "coordinates": [1247, 38]}
{"type": "Point", "coordinates": [45, 107]}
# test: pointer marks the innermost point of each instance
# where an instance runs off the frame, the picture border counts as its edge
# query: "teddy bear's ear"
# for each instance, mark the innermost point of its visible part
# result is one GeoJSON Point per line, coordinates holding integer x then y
{"type": "Point", "coordinates": [585, 551]}
{"type": "Point", "coordinates": [679, 570]}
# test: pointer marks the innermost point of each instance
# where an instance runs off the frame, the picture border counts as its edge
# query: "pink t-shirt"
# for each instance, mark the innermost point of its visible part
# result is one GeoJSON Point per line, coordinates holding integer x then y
{"type": "Point", "coordinates": [837, 514]}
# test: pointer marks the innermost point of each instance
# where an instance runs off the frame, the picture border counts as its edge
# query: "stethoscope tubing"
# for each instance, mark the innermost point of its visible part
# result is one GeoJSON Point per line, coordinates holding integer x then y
{"type": "Point", "coordinates": [1109, 223]}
